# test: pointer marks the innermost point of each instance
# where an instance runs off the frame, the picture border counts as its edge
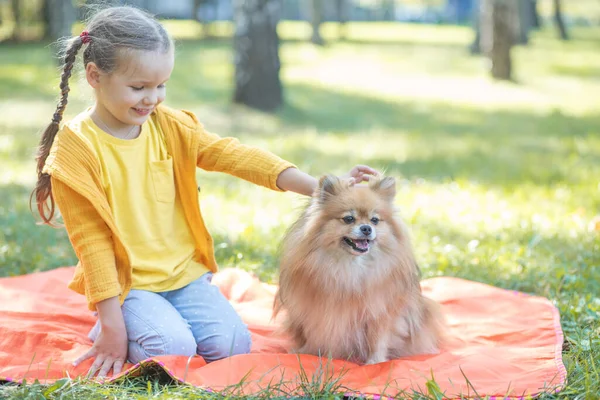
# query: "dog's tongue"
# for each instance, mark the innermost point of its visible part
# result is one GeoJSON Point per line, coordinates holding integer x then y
{"type": "Point", "coordinates": [362, 244]}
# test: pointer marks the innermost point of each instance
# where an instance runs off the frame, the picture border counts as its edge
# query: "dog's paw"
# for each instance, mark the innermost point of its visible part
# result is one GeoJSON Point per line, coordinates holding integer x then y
{"type": "Point", "coordinates": [375, 359]}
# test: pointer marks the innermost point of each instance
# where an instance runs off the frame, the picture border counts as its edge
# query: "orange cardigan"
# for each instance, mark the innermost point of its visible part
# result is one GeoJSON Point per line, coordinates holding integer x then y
{"type": "Point", "coordinates": [104, 269]}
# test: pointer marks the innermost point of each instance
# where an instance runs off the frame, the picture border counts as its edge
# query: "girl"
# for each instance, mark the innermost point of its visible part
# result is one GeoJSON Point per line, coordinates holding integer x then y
{"type": "Point", "coordinates": [122, 174]}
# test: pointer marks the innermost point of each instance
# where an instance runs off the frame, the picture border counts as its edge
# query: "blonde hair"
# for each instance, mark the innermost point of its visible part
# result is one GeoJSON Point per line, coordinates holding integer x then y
{"type": "Point", "coordinates": [109, 33]}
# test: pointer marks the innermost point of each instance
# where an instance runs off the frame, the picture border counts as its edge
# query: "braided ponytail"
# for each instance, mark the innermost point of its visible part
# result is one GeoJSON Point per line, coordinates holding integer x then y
{"type": "Point", "coordinates": [43, 188]}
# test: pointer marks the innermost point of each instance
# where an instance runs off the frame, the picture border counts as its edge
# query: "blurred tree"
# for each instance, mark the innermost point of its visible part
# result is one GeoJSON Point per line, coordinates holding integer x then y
{"type": "Point", "coordinates": [498, 32]}
{"type": "Point", "coordinates": [16, 11]}
{"type": "Point", "coordinates": [197, 16]}
{"type": "Point", "coordinates": [389, 10]}
{"type": "Point", "coordinates": [558, 18]}
{"type": "Point", "coordinates": [59, 17]}
{"type": "Point", "coordinates": [256, 47]}
{"type": "Point", "coordinates": [458, 11]}
{"type": "Point", "coordinates": [316, 17]}
{"type": "Point", "coordinates": [525, 21]}
{"type": "Point", "coordinates": [475, 47]}
{"type": "Point", "coordinates": [341, 8]}
{"type": "Point", "coordinates": [535, 14]}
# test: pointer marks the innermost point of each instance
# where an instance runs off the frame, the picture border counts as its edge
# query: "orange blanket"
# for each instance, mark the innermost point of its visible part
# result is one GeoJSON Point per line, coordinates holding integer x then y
{"type": "Point", "coordinates": [505, 343]}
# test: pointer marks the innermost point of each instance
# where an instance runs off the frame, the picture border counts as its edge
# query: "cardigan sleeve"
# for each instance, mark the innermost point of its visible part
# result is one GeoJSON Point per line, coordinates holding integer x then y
{"type": "Point", "coordinates": [92, 241]}
{"type": "Point", "coordinates": [228, 155]}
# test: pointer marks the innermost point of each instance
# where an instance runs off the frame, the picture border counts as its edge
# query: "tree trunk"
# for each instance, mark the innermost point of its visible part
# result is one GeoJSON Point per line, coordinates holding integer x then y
{"type": "Point", "coordinates": [525, 21]}
{"type": "Point", "coordinates": [316, 17]}
{"type": "Point", "coordinates": [535, 15]}
{"type": "Point", "coordinates": [59, 15]}
{"type": "Point", "coordinates": [256, 44]}
{"type": "Point", "coordinates": [475, 47]}
{"type": "Point", "coordinates": [341, 7]}
{"type": "Point", "coordinates": [196, 10]}
{"type": "Point", "coordinates": [389, 10]}
{"type": "Point", "coordinates": [498, 33]}
{"type": "Point", "coordinates": [205, 24]}
{"type": "Point", "coordinates": [558, 18]}
{"type": "Point", "coordinates": [16, 10]}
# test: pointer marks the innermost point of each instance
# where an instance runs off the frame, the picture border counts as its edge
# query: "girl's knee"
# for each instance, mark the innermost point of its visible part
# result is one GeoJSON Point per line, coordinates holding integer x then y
{"type": "Point", "coordinates": [182, 344]}
{"type": "Point", "coordinates": [225, 344]}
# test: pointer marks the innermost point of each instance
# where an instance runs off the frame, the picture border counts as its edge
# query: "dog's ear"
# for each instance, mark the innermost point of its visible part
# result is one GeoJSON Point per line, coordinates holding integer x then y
{"type": "Point", "coordinates": [329, 185]}
{"type": "Point", "coordinates": [385, 186]}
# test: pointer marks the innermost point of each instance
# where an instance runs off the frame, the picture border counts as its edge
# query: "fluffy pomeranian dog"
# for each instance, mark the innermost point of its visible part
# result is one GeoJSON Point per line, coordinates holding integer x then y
{"type": "Point", "coordinates": [349, 283]}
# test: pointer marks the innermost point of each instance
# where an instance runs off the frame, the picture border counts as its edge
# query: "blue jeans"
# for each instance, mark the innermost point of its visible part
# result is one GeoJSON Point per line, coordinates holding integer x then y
{"type": "Point", "coordinates": [196, 319]}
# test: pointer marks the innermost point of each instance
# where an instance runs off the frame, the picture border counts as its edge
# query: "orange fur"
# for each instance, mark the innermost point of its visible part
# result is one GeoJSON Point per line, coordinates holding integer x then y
{"type": "Point", "coordinates": [343, 301]}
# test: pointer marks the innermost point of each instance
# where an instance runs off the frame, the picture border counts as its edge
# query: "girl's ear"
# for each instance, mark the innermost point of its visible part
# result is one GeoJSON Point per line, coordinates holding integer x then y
{"type": "Point", "coordinates": [92, 74]}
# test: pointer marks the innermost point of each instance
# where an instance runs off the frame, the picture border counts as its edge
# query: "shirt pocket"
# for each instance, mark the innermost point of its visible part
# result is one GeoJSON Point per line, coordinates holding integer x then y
{"type": "Point", "coordinates": [163, 179]}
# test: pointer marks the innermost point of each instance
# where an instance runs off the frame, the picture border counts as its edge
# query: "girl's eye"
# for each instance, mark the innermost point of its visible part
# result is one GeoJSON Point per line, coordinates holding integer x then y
{"type": "Point", "coordinates": [162, 86]}
{"type": "Point", "coordinates": [348, 219]}
{"type": "Point", "coordinates": [137, 89]}
{"type": "Point", "coordinates": [374, 220]}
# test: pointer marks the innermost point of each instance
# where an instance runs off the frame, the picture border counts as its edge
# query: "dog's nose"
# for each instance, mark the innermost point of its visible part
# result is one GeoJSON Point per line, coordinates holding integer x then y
{"type": "Point", "coordinates": [366, 229]}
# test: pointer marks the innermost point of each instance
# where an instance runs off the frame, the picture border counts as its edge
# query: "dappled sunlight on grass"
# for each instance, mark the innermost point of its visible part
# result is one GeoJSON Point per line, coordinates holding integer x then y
{"type": "Point", "coordinates": [586, 8]}
{"type": "Point", "coordinates": [23, 113]}
{"type": "Point", "coordinates": [21, 122]}
{"type": "Point", "coordinates": [24, 246]}
{"type": "Point", "coordinates": [356, 32]}
{"type": "Point", "coordinates": [423, 73]}
{"type": "Point", "coordinates": [475, 210]}
{"type": "Point", "coordinates": [247, 222]}
{"type": "Point", "coordinates": [27, 71]}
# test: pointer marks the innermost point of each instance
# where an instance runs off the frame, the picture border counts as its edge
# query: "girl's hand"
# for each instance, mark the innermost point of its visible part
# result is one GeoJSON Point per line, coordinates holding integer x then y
{"type": "Point", "coordinates": [361, 173]}
{"type": "Point", "coordinates": [110, 347]}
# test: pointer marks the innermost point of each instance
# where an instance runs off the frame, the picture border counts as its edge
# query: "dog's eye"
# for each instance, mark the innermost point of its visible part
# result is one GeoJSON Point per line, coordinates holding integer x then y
{"type": "Point", "coordinates": [348, 219]}
{"type": "Point", "coordinates": [374, 220]}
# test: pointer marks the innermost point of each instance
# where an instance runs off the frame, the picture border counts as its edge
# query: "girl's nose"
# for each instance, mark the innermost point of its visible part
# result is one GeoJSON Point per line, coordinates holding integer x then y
{"type": "Point", "coordinates": [150, 99]}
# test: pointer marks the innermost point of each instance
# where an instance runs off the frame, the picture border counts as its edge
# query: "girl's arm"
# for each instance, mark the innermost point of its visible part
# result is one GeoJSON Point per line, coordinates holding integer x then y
{"type": "Point", "coordinates": [294, 180]}
{"type": "Point", "coordinates": [92, 242]}
{"type": "Point", "coordinates": [297, 181]}
{"type": "Point", "coordinates": [227, 154]}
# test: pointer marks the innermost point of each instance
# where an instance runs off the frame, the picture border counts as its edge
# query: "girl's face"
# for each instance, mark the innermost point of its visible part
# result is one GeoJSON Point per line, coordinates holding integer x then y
{"type": "Point", "coordinates": [128, 95]}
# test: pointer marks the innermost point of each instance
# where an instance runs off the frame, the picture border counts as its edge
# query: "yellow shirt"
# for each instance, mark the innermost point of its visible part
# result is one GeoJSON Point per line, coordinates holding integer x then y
{"type": "Point", "coordinates": [104, 269]}
{"type": "Point", "coordinates": [137, 177]}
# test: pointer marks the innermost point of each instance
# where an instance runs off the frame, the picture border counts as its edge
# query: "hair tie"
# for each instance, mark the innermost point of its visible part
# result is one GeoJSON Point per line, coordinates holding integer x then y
{"type": "Point", "coordinates": [56, 118]}
{"type": "Point", "coordinates": [85, 37]}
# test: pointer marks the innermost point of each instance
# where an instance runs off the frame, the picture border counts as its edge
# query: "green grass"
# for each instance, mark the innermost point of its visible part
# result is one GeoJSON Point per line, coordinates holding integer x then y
{"type": "Point", "coordinates": [498, 181]}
